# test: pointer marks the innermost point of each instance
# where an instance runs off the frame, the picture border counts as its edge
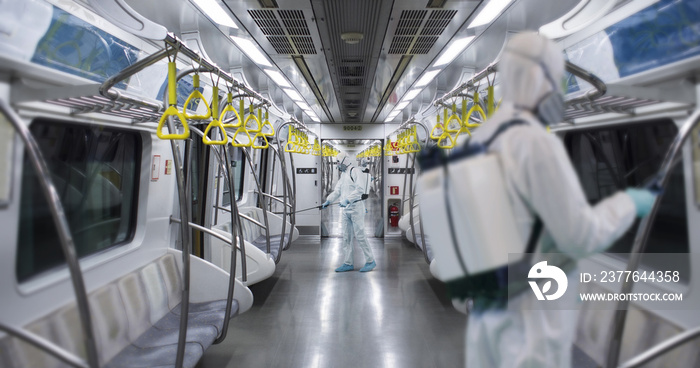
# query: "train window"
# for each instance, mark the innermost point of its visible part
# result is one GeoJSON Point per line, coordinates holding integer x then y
{"type": "Point", "coordinates": [612, 158]}
{"type": "Point", "coordinates": [95, 170]}
{"type": "Point", "coordinates": [237, 165]}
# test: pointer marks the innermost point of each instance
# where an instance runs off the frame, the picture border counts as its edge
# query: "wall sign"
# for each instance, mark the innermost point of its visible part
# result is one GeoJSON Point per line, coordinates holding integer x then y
{"type": "Point", "coordinates": [352, 128]}
{"type": "Point", "coordinates": [307, 170]}
{"type": "Point", "coordinates": [394, 190]}
{"type": "Point", "coordinates": [402, 171]}
{"type": "Point", "coordinates": [155, 168]}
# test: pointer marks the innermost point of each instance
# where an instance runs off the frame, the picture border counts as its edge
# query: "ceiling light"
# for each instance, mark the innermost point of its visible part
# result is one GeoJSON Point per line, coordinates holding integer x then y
{"type": "Point", "coordinates": [401, 106]}
{"type": "Point", "coordinates": [352, 38]}
{"type": "Point", "coordinates": [456, 48]}
{"type": "Point", "coordinates": [278, 78]}
{"type": "Point", "coordinates": [303, 106]}
{"type": "Point", "coordinates": [391, 117]}
{"type": "Point", "coordinates": [294, 95]}
{"type": "Point", "coordinates": [489, 12]}
{"type": "Point", "coordinates": [315, 118]}
{"type": "Point", "coordinates": [427, 77]}
{"type": "Point", "coordinates": [411, 94]}
{"type": "Point", "coordinates": [217, 13]}
{"type": "Point", "coordinates": [251, 50]}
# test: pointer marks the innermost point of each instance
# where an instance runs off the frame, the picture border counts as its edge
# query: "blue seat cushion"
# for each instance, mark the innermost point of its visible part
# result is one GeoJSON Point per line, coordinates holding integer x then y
{"type": "Point", "coordinates": [157, 346]}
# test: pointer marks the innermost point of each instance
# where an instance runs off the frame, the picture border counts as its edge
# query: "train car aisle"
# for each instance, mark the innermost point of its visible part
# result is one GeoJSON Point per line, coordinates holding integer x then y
{"type": "Point", "coordinates": [307, 315]}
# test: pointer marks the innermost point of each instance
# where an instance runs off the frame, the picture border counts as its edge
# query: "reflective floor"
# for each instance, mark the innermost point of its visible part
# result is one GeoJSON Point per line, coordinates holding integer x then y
{"type": "Point", "coordinates": [306, 315]}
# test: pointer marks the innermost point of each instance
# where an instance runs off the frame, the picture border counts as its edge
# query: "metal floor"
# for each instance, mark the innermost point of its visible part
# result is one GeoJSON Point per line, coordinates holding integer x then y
{"type": "Point", "coordinates": [307, 315]}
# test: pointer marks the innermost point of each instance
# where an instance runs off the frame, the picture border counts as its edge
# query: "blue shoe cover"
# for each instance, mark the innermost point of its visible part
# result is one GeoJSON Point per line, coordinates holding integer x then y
{"type": "Point", "coordinates": [345, 268]}
{"type": "Point", "coordinates": [368, 266]}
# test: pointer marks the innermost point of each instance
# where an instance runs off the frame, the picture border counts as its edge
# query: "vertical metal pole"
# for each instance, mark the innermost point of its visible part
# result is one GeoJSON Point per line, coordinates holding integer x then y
{"type": "Point", "coordinates": [284, 199]}
{"type": "Point", "coordinates": [185, 237]}
{"type": "Point", "coordinates": [64, 234]}
{"type": "Point", "coordinates": [293, 198]}
{"type": "Point", "coordinates": [232, 270]}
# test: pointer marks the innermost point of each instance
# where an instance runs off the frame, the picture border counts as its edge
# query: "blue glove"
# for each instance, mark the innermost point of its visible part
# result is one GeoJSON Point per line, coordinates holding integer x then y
{"type": "Point", "coordinates": [325, 204]}
{"type": "Point", "coordinates": [643, 200]}
{"type": "Point", "coordinates": [344, 203]}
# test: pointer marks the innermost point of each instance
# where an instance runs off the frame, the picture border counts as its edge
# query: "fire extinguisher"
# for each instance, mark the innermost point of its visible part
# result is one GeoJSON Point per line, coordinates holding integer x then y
{"type": "Point", "coordinates": [394, 215]}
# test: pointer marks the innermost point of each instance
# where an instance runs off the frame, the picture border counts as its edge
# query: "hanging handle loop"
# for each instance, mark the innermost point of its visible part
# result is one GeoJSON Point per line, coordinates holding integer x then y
{"type": "Point", "coordinates": [172, 108]}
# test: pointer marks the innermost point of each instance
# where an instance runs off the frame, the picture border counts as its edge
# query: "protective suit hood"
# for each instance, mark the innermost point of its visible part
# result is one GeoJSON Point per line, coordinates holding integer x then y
{"type": "Point", "coordinates": [344, 162]}
{"type": "Point", "coordinates": [532, 67]}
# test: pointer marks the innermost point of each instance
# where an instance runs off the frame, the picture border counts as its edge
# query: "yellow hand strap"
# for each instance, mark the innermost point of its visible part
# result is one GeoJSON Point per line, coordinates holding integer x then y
{"type": "Point", "coordinates": [267, 132]}
{"type": "Point", "coordinates": [264, 139]}
{"type": "Point", "coordinates": [172, 108]}
{"type": "Point", "coordinates": [229, 108]}
{"type": "Point", "coordinates": [252, 123]}
{"type": "Point", "coordinates": [215, 123]}
{"type": "Point", "coordinates": [490, 102]}
{"type": "Point", "coordinates": [234, 142]}
{"type": "Point", "coordinates": [193, 96]}
{"type": "Point", "coordinates": [446, 141]}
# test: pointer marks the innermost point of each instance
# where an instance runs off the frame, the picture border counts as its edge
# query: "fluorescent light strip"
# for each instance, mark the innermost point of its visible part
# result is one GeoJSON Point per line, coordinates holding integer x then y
{"type": "Point", "coordinates": [401, 106]}
{"type": "Point", "coordinates": [217, 13]}
{"type": "Point", "coordinates": [278, 78]}
{"type": "Point", "coordinates": [411, 94]}
{"type": "Point", "coordinates": [456, 48]}
{"type": "Point", "coordinates": [303, 106]}
{"type": "Point", "coordinates": [251, 50]}
{"type": "Point", "coordinates": [294, 95]}
{"type": "Point", "coordinates": [489, 12]}
{"type": "Point", "coordinates": [427, 78]}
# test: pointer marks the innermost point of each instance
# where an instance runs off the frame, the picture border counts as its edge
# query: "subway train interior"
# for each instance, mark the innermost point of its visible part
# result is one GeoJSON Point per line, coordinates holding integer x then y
{"type": "Point", "coordinates": [256, 183]}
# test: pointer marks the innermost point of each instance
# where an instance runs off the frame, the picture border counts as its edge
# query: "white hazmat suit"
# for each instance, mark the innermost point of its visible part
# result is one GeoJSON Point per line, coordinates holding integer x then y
{"type": "Point", "coordinates": [349, 192]}
{"type": "Point", "coordinates": [540, 181]}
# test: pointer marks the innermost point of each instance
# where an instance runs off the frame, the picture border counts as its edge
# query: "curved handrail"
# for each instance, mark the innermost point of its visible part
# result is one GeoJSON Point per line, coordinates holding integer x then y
{"type": "Point", "coordinates": [643, 232]}
{"type": "Point", "coordinates": [275, 199]}
{"type": "Point", "coordinates": [285, 195]}
{"type": "Point", "coordinates": [62, 228]}
{"type": "Point", "coordinates": [224, 164]}
{"type": "Point", "coordinates": [45, 345]}
{"type": "Point", "coordinates": [661, 348]}
{"type": "Point", "coordinates": [261, 200]}
{"type": "Point", "coordinates": [290, 196]}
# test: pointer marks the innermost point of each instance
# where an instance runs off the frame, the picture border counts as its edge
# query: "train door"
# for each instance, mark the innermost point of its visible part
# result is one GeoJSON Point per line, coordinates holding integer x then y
{"type": "Point", "coordinates": [307, 177]}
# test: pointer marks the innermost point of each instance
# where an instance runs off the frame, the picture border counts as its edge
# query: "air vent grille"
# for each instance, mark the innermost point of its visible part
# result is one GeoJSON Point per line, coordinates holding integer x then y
{"type": "Point", "coordinates": [304, 45]}
{"type": "Point", "coordinates": [437, 22]}
{"type": "Point", "coordinates": [400, 45]}
{"type": "Point", "coordinates": [415, 34]}
{"type": "Point", "coordinates": [351, 82]}
{"type": "Point", "coordinates": [351, 71]}
{"type": "Point", "coordinates": [423, 45]}
{"type": "Point", "coordinates": [410, 21]}
{"type": "Point", "coordinates": [294, 22]}
{"type": "Point", "coordinates": [286, 30]}
{"type": "Point", "coordinates": [281, 44]}
{"type": "Point", "coordinates": [268, 23]}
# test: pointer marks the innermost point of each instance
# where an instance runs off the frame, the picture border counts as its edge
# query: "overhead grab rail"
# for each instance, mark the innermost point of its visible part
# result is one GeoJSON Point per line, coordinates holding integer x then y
{"type": "Point", "coordinates": [64, 234]}
{"type": "Point", "coordinates": [640, 241]}
{"type": "Point", "coordinates": [176, 44]}
{"type": "Point", "coordinates": [599, 86]}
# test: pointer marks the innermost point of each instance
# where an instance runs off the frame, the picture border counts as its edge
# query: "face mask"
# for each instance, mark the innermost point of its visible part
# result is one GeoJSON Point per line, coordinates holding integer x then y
{"type": "Point", "coordinates": [341, 166]}
{"type": "Point", "coordinates": [550, 110]}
